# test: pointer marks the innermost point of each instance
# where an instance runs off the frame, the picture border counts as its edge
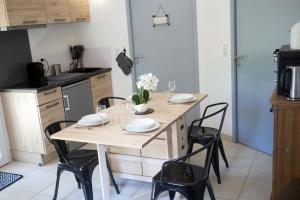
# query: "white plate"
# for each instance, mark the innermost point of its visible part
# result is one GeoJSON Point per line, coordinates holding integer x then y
{"type": "Point", "coordinates": [92, 119]}
{"type": "Point", "coordinates": [182, 97]}
{"type": "Point", "coordinates": [82, 123]}
{"type": "Point", "coordinates": [142, 124]}
{"type": "Point", "coordinates": [186, 101]}
{"type": "Point", "coordinates": [131, 129]}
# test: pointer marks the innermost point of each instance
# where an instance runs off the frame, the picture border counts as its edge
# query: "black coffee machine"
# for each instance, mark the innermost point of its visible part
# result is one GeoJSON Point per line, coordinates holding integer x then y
{"type": "Point", "coordinates": [77, 57]}
{"type": "Point", "coordinates": [36, 74]}
{"type": "Point", "coordinates": [284, 58]}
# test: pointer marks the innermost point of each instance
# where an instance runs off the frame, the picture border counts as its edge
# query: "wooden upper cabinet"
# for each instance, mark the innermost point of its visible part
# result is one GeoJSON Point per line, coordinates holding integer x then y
{"type": "Point", "coordinates": [79, 10]}
{"type": "Point", "coordinates": [25, 12]}
{"type": "Point", "coordinates": [37, 12]}
{"type": "Point", "coordinates": [3, 19]}
{"type": "Point", "coordinates": [57, 11]}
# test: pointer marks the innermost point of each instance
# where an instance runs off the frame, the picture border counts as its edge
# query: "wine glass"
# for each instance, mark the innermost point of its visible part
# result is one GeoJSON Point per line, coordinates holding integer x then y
{"type": "Point", "coordinates": [101, 112]}
{"type": "Point", "coordinates": [172, 88]}
{"type": "Point", "coordinates": [131, 108]}
{"type": "Point", "coordinates": [123, 119]}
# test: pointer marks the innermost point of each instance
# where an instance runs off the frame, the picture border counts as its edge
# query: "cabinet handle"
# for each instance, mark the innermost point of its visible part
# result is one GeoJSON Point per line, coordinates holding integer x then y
{"type": "Point", "coordinates": [59, 20]}
{"type": "Point", "coordinates": [53, 105]}
{"type": "Point", "coordinates": [50, 92]}
{"type": "Point", "coordinates": [29, 21]}
{"type": "Point", "coordinates": [101, 76]}
{"type": "Point", "coordinates": [80, 18]}
{"type": "Point", "coordinates": [67, 103]}
{"type": "Point", "coordinates": [181, 127]}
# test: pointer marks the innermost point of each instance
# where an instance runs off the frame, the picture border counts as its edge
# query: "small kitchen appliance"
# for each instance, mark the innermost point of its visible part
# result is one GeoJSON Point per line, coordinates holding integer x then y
{"type": "Point", "coordinates": [294, 83]}
{"type": "Point", "coordinates": [284, 58]}
{"type": "Point", "coordinates": [77, 57]}
{"type": "Point", "coordinates": [36, 74]}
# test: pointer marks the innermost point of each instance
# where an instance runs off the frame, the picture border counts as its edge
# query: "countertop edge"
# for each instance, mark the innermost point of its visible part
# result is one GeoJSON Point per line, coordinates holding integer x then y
{"type": "Point", "coordinates": [277, 100]}
{"type": "Point", "coordinates": [84, 76]}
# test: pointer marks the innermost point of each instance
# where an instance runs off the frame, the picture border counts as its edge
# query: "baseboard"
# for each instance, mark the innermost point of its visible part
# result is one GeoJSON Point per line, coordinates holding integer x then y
{"type": "Point", "coordinates": [226, 137]}
{"type": "Point", "coordinates": [34, 158]}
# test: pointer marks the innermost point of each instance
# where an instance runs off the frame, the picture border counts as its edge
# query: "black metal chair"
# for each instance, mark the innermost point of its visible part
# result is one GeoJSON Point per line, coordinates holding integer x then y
{"type": "Point", "coordinates": [105, 101]}
{"type": "Point", "coordinates": [196, 131]}
{"type": "Point", "coordinates": [187, 179]}
{"type": "Point", "coordinates": [81, 162]}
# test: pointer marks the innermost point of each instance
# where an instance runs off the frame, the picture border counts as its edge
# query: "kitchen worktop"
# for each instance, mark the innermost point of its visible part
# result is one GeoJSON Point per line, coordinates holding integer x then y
{"type": "Point", "coordinates": [278, 100]}
{"type": "Point", "coordinates": [63, 79]}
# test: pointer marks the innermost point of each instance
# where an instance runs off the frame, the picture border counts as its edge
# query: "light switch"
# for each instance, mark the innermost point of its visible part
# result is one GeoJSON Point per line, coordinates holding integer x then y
{"type": "Point", "coordinates": [225, 50]}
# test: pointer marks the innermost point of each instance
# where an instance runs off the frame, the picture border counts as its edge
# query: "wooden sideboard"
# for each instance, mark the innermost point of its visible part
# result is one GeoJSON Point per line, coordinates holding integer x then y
{"type": "Point", "coordinates": [286, 147]}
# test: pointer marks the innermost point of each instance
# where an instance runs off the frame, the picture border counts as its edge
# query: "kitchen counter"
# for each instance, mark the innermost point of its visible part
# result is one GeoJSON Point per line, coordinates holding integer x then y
{"type": "Point", "coordinates": [277, 100]}
{"type": "Point", "coordinates": [63, 79]}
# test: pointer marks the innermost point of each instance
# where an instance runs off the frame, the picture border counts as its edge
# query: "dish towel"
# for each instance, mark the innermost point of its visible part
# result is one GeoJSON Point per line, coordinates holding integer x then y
{"type": "Point", "coordinates": [124, 62]}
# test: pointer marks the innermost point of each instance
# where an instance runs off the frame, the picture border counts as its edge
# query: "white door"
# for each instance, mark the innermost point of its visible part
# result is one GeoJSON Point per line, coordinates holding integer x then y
{"type": "Point", "coordinates": [262, 26]}
{"type": "Point", "coordinates": [168, 51]}
{"type": "Point", "coordinates": [5, 156]}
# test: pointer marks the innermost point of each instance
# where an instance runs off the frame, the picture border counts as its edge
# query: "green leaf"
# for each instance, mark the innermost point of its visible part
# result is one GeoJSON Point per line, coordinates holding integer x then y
{"type": "Point", "coordinates": [136, 99]}
{"type": "Point", "coordinates": [146, 96]}
{"type": "Point", "coordinates": [140, 93]}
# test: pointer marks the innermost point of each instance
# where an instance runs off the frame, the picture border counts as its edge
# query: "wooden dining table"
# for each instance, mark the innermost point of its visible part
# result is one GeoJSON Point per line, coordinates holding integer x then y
{"type": "Point", "coordinates": [111, 134]}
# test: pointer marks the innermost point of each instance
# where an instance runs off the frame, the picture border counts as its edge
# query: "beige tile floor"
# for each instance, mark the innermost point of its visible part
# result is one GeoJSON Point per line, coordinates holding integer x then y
{"type": "Point", "coordinates": [249, 177]}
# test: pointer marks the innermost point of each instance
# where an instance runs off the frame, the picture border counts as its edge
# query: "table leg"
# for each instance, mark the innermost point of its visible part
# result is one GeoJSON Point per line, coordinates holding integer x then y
{"type": "Point", "coordinates": [169, 143]}
{"type": "Point", "coordinates": [104, 176]}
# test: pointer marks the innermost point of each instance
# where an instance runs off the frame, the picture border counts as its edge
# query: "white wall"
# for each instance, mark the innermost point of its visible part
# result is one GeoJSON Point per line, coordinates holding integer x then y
{"type": "Point", "coordinates": [5, 155]}
{"type": "Point", "coordinates": [214, 40]}
{"type": "Point", "coordinates": [103, 38]}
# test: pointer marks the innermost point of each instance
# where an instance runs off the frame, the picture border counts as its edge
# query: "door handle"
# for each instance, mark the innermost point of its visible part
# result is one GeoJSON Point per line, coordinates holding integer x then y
{"type": "Point", "coordinates": [66, 102]}
{"type": "Point", "coordinates": [136, 59]}
{"type": "Point", "coordinates": [238, 60]}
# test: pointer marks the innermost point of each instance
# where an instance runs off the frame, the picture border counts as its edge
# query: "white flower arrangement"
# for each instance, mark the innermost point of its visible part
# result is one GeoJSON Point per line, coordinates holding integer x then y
{"type": "Point", "coordinates": [148, 82]}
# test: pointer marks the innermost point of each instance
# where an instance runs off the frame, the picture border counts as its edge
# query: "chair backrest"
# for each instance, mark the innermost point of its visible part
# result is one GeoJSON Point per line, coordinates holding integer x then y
{"type": "Point", "coordinates": [105, 101]}
{"type": "Point", "coordinates": [208, 159]}
{"type": "Point", "coordinates": [60, 145]}
{"type": "Point", "coordinates": [222, 109]}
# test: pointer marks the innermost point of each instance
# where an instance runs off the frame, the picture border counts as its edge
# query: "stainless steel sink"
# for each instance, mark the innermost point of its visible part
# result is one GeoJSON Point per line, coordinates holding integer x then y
{"type": "Point", "coordinates": [64, 76]}
{"type": "Point", "coordinates": [84, 70]}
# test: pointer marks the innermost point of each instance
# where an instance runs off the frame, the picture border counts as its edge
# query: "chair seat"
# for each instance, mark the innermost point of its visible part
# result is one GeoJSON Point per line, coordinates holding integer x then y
{"type": "Point", "coordinates": [181, 174]}
{"type": "Point", "coordinates": [197, 131]}
{"type": "Point", "coordinates": [82, 157]}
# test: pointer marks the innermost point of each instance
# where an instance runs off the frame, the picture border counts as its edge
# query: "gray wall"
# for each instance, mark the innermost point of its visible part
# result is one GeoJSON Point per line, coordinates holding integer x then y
{"type": "Point", "coordinates": [14, 55]}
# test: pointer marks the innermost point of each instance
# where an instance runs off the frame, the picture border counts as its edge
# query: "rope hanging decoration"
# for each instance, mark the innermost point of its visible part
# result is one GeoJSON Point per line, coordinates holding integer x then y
{"type": "Point", "coordinates": [161, 19]}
